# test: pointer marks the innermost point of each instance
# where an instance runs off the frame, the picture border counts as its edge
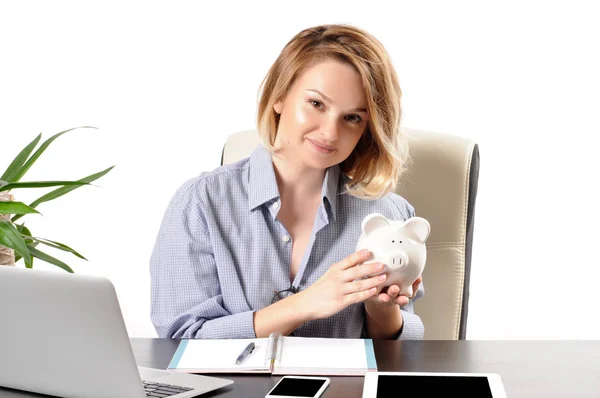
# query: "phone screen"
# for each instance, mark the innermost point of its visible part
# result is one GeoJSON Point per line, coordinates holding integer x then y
{"type": "Point", "coordinates": [433, 386]}
{"type": "Point", "coordinates": [289, 387]}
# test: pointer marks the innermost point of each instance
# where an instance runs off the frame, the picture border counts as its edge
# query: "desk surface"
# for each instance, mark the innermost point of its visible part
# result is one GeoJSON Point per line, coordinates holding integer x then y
{"type": "Point", "coordinates": [528, 368]}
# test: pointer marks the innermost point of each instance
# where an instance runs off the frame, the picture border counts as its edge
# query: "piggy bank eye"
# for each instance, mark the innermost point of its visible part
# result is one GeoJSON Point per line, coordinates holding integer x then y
{"type": "Point", "coordinates": [398, 241]}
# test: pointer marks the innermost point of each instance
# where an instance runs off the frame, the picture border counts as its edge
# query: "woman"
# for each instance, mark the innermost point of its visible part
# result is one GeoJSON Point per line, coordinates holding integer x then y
{"type": "Point", "coordinates": [266, 244]}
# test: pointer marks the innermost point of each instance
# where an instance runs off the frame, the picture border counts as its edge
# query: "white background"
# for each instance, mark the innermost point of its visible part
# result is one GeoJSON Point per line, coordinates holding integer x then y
{"type": "Point", "coordinates": [166, 82]}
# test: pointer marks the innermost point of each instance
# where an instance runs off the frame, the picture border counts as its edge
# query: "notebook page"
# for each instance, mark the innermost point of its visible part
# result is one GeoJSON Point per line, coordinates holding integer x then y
{"type": "Point", "coordinates": [305, 352]}
{"type": "Point", "coordinates": [221, 354]}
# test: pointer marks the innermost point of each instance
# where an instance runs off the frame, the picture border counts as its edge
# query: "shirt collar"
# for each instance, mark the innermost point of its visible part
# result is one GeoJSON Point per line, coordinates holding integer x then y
{"type": "Point", "coordinates": [263, 184]}
{"type": "Point", "coordinates": [330, 188]}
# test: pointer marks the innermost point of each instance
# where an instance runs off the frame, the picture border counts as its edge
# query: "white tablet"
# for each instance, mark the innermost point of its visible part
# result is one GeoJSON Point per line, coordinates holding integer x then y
{"type": "Point", "coordinates": [432, 384]}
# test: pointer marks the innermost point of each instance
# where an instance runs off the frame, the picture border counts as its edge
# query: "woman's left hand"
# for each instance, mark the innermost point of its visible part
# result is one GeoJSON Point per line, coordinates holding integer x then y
{"type": "Point", "coordinates": [390, 296]}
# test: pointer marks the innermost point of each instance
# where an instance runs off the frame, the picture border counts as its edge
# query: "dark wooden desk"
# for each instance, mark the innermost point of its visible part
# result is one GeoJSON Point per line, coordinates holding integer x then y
{"type": "Point", "coordinates": [528, 368]}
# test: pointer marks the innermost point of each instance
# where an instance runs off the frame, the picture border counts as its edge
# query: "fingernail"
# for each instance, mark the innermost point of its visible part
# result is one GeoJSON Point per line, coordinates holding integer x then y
{"type": "Point", "coordinates": [379, 266]}
{"type": "Point", "coordinates": [364, 252]}
{"type": "Point", "coordinates": [382, 277]}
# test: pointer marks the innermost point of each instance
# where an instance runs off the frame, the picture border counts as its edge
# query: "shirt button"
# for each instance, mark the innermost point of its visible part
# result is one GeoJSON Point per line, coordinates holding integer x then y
{"type": "Point", "coordinates": [276, 205]}
{"type": "Point", "coordinates": [285, 238]}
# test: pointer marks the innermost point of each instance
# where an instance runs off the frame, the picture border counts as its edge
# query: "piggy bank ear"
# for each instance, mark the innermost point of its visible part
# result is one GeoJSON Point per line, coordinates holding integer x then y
{"type": "Point", "coordinates": [374, 221]}
{"type": "Point", "coordinates": [418, 228]}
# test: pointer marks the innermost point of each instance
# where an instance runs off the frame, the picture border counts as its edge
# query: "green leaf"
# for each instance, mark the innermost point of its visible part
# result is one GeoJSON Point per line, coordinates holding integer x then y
{"type": "Point", "coordinates": [63, 190]}
{"type": "Point", "coordinates": [17, 163]}
{"type": "Point", "coordinates": [23, 229]}
{"type": "Point", "coordinates": [48, 258]}
{"type": "Point", "coordinates": [17, 258]}
{"type": "Point", "coordinates": [26, 234]}
{"type": "Point", "coordinates": [39, 184]}
{"type": "Point", "coordinates": [11, 238]}
{"type": "Point", "coordinates": [57, 245]}
{"type": "Point", "coordinates": [39, 152]}
{"type": "Point", "coordinates": [16, 208]}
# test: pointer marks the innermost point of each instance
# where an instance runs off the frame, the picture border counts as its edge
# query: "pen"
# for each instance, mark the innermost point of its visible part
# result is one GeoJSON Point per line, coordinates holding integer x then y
{"type": "Point", "coordinates": [249, 348]}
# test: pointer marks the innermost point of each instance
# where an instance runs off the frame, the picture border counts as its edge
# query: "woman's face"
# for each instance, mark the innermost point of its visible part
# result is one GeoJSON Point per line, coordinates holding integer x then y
{"type": "Point", "coordinates": [323, 115]}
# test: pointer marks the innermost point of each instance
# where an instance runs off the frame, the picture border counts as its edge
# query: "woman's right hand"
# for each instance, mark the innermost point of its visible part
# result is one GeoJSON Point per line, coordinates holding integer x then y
{"type": "Point", "coordinates": [341, 285]}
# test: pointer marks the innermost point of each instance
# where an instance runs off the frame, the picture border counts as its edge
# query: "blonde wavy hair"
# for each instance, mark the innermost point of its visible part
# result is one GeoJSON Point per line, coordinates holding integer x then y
{"type": "Point", "coordinates": [381, 155]}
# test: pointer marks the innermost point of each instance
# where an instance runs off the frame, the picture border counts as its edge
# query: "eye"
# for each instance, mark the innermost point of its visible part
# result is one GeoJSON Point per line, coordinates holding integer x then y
{"type": "Point", "coordinates": [316, 104]}
{"type": "Point", "coordinates": [354, 119]}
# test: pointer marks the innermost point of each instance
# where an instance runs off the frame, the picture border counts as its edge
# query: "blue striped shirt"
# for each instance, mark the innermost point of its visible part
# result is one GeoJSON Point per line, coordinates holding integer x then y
{"type": "Point", "coordinates": [221, 253]}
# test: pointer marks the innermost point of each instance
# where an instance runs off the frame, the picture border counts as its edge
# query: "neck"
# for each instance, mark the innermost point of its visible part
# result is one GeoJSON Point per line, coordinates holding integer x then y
{"type": "Point", "coordinates": [296, 180]}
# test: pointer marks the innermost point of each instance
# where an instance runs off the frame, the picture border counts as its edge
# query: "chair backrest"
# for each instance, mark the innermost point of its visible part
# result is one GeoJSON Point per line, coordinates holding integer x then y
{"type": "Point", "coordinates": [441, 184]}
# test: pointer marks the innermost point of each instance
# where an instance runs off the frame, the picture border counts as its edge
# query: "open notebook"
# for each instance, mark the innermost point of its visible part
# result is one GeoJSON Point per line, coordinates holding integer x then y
{"type": "Point", "coordinates": [277, 355]}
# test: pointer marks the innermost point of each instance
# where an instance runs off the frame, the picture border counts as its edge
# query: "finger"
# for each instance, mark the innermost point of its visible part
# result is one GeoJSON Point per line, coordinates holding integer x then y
{"type": "Point", "coordinates": [364, 271]}
{"type": "Point", "coordinates": [416, 285]}
{"type": "Point", "coordinates": [401, 300]}
{"type": "Point", "coordinates": [359, 285]}
{"type": "Point", "coordinates": [393, 291]}
{"type": "Point", "coordinates": [384, 298]}
{"type": "Point", "coordinates": [354, 259]}
{"type": "Point", "coordinates": [358, 297]}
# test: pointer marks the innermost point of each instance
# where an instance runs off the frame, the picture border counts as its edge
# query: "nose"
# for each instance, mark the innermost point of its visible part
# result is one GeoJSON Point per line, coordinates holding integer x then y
{"type": "Point", "coordinates": [331, 130]}
{"type": "Point", "coordinates": [397, 259]}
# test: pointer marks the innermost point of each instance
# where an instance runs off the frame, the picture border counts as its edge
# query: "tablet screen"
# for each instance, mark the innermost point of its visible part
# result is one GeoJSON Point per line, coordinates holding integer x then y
{"type": "Point", "coordinates": [433, 386]}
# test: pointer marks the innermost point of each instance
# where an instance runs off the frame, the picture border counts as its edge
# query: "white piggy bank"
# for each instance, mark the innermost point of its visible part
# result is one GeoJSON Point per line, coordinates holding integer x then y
{"type": "Point", "coordinates": [399, 245]}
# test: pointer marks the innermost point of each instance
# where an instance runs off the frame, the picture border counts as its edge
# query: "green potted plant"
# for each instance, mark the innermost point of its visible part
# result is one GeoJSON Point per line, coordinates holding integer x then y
{"type": "Point", "coordinates": [16, 241]}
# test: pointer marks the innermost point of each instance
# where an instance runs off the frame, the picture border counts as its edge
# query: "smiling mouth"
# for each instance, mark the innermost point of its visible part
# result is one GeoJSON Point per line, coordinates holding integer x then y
{"type": "Point", "coordinates": [321, 147]}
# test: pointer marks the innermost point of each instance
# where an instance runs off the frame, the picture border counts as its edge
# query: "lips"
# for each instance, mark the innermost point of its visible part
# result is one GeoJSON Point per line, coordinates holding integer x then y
{"type": "Point", "coordinates": [321, 147]}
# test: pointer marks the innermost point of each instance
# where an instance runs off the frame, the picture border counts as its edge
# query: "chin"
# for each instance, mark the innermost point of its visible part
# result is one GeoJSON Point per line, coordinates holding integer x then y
{"type": "Point", "coordinates": [317, 165]}
{"type": "Point", "coordinates": [319, 162]}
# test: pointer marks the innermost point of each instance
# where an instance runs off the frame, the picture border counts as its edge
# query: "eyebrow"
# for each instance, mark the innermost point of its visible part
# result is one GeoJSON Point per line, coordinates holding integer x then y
{"type": "Point", "coordinates": [364, 110]}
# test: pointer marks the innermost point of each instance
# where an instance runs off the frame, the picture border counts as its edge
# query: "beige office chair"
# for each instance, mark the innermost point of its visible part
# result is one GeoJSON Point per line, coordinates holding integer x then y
{"type": "Point", "coordinates": [441, 184]}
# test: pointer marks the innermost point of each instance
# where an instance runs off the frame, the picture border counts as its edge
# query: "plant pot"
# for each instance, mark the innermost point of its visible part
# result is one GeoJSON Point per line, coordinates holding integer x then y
{"type": "Point", "coordinates": [7, 256]}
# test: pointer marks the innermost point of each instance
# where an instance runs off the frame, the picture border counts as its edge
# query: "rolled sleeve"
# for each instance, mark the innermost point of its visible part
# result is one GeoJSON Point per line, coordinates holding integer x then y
{"type": "Point", "coordinates": [186, 297]}
{"type": "Point", "coordinates": [236, 326]}
{"type": "Point", "coordinates": [412, 328]}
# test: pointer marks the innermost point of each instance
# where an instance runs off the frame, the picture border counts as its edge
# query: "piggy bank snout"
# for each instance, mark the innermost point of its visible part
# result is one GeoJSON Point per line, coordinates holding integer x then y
{"type": "Point", "coordinates": [397, 259]}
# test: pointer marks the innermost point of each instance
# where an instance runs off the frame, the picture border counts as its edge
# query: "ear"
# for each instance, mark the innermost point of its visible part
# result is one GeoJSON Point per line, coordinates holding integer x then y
{"type": "Point", "coordinates": [372, 222]}
{"type": "Point", "coordinates": [418, 228]}
{"type": "Point", "coordinates": [278, 107]}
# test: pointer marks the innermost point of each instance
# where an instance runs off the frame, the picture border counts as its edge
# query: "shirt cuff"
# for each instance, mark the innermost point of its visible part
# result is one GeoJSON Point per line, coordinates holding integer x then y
{"type": "Point", "coordinates": [236, 326]}
{"type": "Point", "coordinates": [412, 328]}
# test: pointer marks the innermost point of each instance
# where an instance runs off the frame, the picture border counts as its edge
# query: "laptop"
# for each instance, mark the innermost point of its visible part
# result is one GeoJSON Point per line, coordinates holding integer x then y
{"type": "Point", "coordinates": [63, 334]}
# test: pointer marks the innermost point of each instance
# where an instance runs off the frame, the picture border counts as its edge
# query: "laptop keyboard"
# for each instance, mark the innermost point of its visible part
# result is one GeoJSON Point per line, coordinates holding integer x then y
{"type": "Point", "coordinates": [161, 390]}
